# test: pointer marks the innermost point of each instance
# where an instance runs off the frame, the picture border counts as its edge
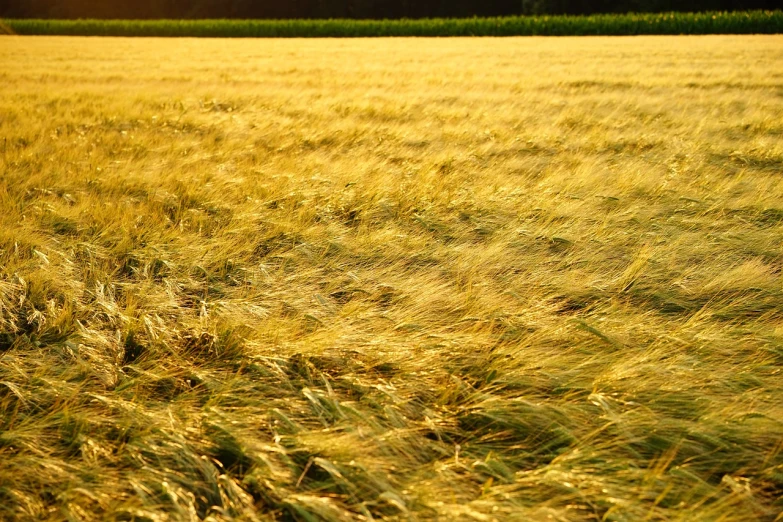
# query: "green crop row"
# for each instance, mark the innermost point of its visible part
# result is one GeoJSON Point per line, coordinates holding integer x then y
{"type": "Point", "coordinates": [747, 22]}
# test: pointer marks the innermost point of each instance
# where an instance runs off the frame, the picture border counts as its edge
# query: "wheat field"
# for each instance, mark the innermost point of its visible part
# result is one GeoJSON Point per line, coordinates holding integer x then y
{"type": "Point", "coordinates": [391, 279]}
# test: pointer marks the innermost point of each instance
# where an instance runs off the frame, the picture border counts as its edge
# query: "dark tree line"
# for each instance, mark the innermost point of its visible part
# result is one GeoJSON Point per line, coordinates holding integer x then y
{"type": "Point", "coordinates": [391, 9]}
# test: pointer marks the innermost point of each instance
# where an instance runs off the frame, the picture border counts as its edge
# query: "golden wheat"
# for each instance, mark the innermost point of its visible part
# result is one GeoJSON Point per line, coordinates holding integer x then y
{"type": "Point", "coordinates": [511, 279]}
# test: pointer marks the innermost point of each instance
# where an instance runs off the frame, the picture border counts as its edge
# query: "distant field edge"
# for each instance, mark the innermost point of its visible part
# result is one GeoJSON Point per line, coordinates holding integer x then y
{"type": "Point", "coordinates": [741, 22]}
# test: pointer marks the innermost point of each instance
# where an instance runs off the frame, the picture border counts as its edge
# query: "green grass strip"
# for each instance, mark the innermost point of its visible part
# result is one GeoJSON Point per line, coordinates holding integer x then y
{"type": "Point", "coordinates": [747, 22]}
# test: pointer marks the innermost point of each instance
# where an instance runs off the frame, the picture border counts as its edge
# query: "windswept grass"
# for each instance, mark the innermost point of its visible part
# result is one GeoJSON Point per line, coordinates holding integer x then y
{"type": "Point", "coordinates": [740, 22]}
{"type": "Point", "coordinates": [518, 279]}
